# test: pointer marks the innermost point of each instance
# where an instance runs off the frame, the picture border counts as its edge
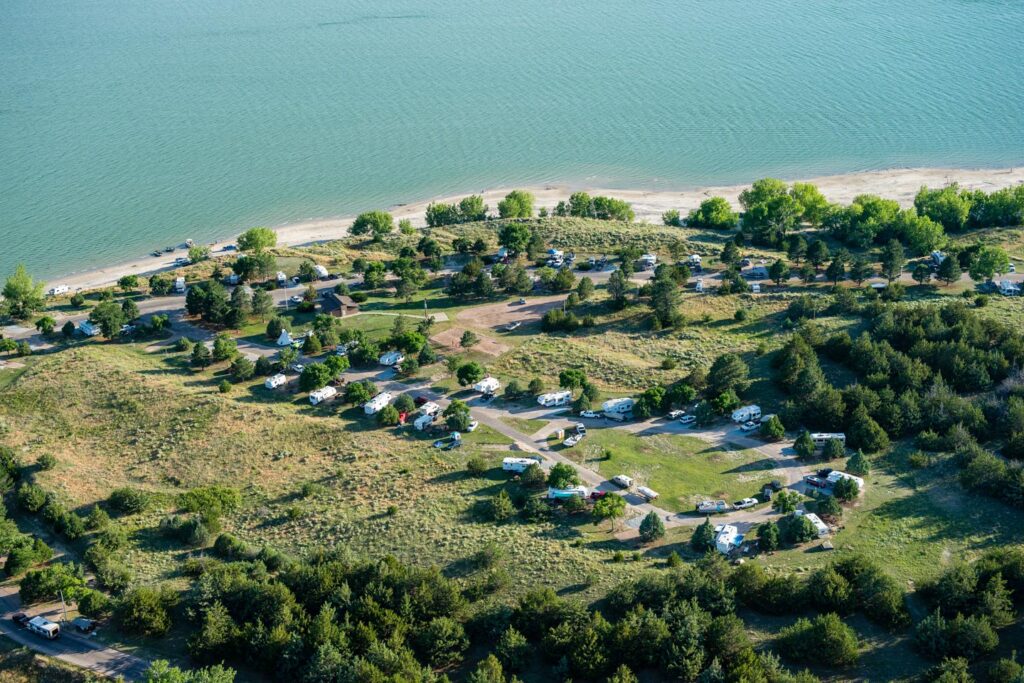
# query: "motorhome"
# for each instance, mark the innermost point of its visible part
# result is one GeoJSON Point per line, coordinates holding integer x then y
{"type": "Point", "coordinates": [282, 279]}
{"type": "Point", "coordinates": [647, 493]}
{"type": "Point", "coordinates": [618, 405]}
{"type": "Point", "coordinates": [517, 464]}
{"type": "Point", "coordinates": [278, 380]}
{"type": "Point", "coordinates": [320, 395]}
{"type": "Point", "coordinates": [558, 398]}
{"type": "Point", "coordinates": [488, 385]}
{"type": "Point", "coordinates": [623, 481]}
{"type": "Point", "coordinates": [694, 262]}
{"type": "Point", "coordinates": [377, 403]}
{"type": "Point", "coordinates": [746, 413]}
{"type": "Point", "coordinates": [320, 271]}
{"type": "Point", "coordinates": [43, 627]}
{"type": "Point", "coordinates": [59, 289]}
{"type": "Point", "coordinates": [822, 438]}
{"type": "Point", "coordinates": [179, 285]}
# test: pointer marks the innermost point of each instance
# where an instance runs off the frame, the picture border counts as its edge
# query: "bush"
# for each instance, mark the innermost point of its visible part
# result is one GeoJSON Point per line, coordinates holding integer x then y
{"type": "Point", "coordinates": [47, 583]}
{"type": "Point", "coordinates": [47, 461]}
{"type": "Point", "coordinates": [967, 637]}
{"type": "Point", "coordinates": [31, 498]}
{"type": "Point", "coordinates": [129, 501]}
{"type": "Point", "coordinates": [231, 548]}
{"type": "Point", "coordinates": [476, 466]}
{"type": "Point", "coordinates": [92, 603]}
{"type": "Point", "coordinates": [825, 640]}
{"type": "Point", "coordinates": [145, 611]}
{"type": "Point", "coordinates": [224, 387]}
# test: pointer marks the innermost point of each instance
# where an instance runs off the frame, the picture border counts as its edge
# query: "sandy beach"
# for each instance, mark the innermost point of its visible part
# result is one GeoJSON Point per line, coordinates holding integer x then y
{"type": "Point", "coordinates": [898, 184]}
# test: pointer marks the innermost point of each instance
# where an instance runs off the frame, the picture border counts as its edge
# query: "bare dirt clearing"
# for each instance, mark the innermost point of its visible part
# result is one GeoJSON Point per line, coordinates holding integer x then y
{"type": "Point", "coordinates": [500, 315]}
{"type": "Point", "coordinates": [451, 337]}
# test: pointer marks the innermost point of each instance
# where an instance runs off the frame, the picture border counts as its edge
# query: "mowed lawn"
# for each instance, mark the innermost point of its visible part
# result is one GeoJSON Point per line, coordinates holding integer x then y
{"type": "Point", "coordinates": [682, 469]}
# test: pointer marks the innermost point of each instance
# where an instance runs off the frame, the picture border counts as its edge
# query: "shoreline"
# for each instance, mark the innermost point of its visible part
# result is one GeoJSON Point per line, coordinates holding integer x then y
{"type": "Point", "coordinates": [899, 184]}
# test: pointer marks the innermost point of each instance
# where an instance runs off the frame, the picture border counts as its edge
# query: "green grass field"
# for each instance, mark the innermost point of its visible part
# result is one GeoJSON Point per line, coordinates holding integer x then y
{"type": "Point", "coordinates": [682, 469]}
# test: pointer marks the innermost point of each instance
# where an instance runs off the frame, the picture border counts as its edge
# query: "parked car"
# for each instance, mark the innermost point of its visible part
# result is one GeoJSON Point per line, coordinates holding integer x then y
{"type": "Point", "coordinates": [748, 426]}
{"type": "Point", "coordinates": [157, 253]}
{"type": "Point", "coordinates": [420, 400]}
{"type": "Point", "coordinates": [688, 419]}
{"type": "Point", "coordinates": [513, 326]}
{"type": "Point", "coordinates": [598, 495]}
{"type": "Point", "coordinates": [522, 300]}
{"type": "Point", "coordinates": [775, 485]}
{"type": "Point", "coordinates": [297, 367]}
{"type": "Point", "coordinates": [590, 413]}
{"type": "Point", "coordinates": [745, 503]}
{"type": "Point", "coordinates": [452, 445]}
{"type": "Point", "coordinates": [815, 481]}
{"type": "Point", "coordinates": [20, 618]}
{"type": "Point", "coordinates": [676, 414]}
{"type": "Point", "coordinates": [473, 424]}
{"type": "Point", "coordinates": [296, 299]}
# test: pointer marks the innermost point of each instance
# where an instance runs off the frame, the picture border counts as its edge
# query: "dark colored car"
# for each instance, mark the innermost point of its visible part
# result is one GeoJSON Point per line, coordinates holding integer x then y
{"type": "Point", "coordinates": [816, 482]}
{"type": "Point", "coordinates": [420, 400]}
{"type": "Point", "coordinates": [776, 485]}
{"type": "Point", "coordinates": [598, 495]}
{"type": "Point", "coordinates": [20, 618]}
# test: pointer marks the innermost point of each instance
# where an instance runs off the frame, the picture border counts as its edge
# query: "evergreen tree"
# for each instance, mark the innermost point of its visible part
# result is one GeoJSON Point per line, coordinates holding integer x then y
{"type": "Point", "coordinates": [703, 538]}
{"type": "Point", "coordinates": [651, 528]}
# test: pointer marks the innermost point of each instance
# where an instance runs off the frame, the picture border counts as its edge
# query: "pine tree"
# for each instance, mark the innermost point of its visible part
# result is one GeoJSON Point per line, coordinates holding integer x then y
{"type": "Point", "coordinates": [652, 528]}
{"type": "Point", "coordinates": [858, 464]}
{"type": "Point", "coordinates": [703, 538]}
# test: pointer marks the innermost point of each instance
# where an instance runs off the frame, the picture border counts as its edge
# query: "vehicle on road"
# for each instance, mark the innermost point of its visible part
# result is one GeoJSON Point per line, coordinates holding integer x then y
{"type": "Point", "coordinates": [688, 419]}
{"type": "Point", "coordinates": [590, 413]}
{"type": "Point", "coordinates": [44, 627]}
{"type": "Point", "coordinates": [295, 299]}
{"type": "Point", "coordinates": [712, 506]}
{"type": "Point", "coordinates": [522, 300]}
{"type": "Point", "coordinates": [748, 426]}
{"type": "Point", "coordinates": [20, 618]}
{"type": "Point", "coordinates": [182, 261]}
{"type": "Point", "coordinates": [745, 503]}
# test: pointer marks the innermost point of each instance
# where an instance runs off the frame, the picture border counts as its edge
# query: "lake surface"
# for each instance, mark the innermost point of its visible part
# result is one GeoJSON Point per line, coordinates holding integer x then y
{"type": "Point", "coordinates": [129, 125]}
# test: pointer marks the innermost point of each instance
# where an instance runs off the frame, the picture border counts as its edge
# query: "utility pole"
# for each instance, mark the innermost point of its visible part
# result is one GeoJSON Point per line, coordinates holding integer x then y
{"type": "Point", "coordinates": [63, 607]}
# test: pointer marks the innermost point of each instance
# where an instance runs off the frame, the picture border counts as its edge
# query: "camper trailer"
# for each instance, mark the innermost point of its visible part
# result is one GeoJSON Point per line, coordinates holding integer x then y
{"type": "Point", "coordinates": [835, 476]}
{"type": "Point", "coordinates": [618, 405]}
{"type": "Point", "coordinates": [727, 538]}
{"type": "Point", "coordinates": [423, 421]}
{"type": "Point", "coordinates": [179, 285]}
{"type": "Point", "coordinates": [569, 492]}
{"type": "Point", "coordinates": [819, 525]}
{"type": "Point", "coordinates": [822, 438]}
{"type": "Point", "coordinates": [430, 408]}
{"type": "Point", "coordinates": [648, 262]}
{"type": "Point", "coordinates": [391, 358]}
{"type": "Point", "coordinates": [282, 279]}
{"type": "Point", "coordinates": [488, 385]}
{"type": "Point", "coordinates": [377, 403]}
{"type": "Point", "coordinates": [517, 464]}
{"type": "Point", "coordinates": [88, 328]}
{"type": "Point", "coordinates": [699, 287]}
{"type": "Point", "coordinates": [746, 413]}
{"type": "Point", "coordinates": [278, 380]}
{"type": "Point", "coordinates": [1008, 288]}
{"type": "Point", "coordinates": [647, 493]}
{"type": "Point", "coordinates": [558, 398]}
{"type": "Point", "coordinates": [320, 395]}
{"type": "Point", "coordinates": [59, 289]}
{"type": "Point", "coordinates": [622, 480]}
{"type": "Point", "coordinates": [694, 262]}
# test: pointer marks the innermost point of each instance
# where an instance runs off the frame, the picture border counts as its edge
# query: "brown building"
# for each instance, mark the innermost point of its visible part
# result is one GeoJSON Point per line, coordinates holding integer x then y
{"type": "Point", "coordinates": [339, 305]}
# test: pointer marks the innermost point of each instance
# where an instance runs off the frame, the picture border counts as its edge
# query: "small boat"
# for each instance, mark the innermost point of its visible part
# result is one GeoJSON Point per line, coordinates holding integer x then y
{"type": "Point", "coordinates": [157, 253]}
{"type": "Point", "coordinates": [168, 250]}
{"type": "Point", "coordinates": [189, 243]}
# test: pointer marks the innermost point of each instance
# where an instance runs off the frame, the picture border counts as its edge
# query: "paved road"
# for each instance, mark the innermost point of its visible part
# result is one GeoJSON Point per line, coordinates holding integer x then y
{"type": "Point", "coordinates": [71, 647]}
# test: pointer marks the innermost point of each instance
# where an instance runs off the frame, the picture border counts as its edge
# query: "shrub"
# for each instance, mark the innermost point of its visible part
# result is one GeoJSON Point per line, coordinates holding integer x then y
{"type": "Point", "coordinates": [129, 501]}
{"type": "Point", "coordinates": [31, 498]}
{"type": "Point", "coordinates": [47, 461]}
{"type": "Point", "coordinates": [47, 583]}
{"type": "Point", "coordinates": [215, 500]}
{"type": "Point", "coordinates": [92, 603]}
{"type": "Point", "coordinates": [825, 640]}
{"type": "Point", "coordinates": [476, 466]}
{"type": "Point", "coordinates": [145, 611]}
{"type": "Point", "coordinates": [231, 548]}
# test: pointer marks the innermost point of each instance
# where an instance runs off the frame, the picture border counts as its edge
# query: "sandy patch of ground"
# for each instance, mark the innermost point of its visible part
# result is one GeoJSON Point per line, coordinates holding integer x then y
{"type": "Point", "coordinates": [450, 339]}
{"type": "Point", "coordinates": [497, 316]}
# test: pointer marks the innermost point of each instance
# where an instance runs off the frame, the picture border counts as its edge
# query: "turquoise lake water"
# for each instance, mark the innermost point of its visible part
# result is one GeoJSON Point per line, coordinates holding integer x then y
{"type": "Point", "coordinates": [126, 125]}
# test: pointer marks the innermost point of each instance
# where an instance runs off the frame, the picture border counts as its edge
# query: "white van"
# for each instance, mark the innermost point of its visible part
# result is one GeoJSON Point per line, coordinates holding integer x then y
{"type": "Point", "coordinates": [44, 627]}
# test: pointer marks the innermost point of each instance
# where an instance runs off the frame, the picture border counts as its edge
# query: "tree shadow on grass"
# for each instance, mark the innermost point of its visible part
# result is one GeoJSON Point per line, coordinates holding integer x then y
{"type": "Point", "coordinates": [762, 465]}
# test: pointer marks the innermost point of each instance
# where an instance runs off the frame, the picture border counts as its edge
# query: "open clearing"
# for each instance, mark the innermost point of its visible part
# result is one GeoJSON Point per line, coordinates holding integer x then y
{"type": "Point", "coordinates": [450, 338]}
{"type": "Point", "coordinates": [501, 314]}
